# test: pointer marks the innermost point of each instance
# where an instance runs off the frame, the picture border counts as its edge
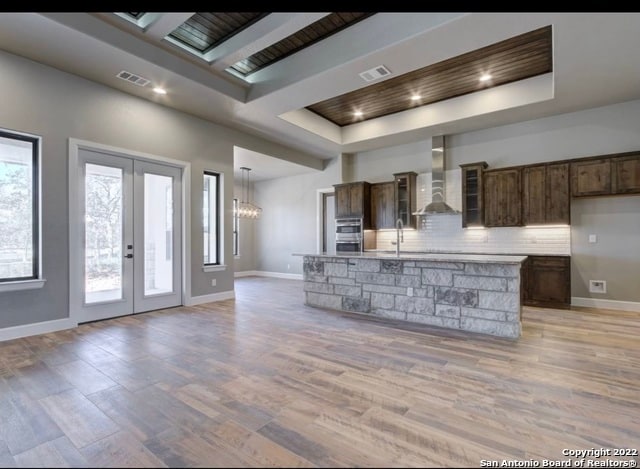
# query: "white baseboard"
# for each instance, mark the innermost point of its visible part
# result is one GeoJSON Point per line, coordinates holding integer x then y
{"type": "Point", "coordinates": [605, 304]}
{"type": "Point", "coordinates": [16, 332]}
{"type": "Point", "coordinates": [246, 273]}
{"type": "Point", "coordinates": [198, 300]}
{"type": "Point", "coordinates": [262, 273]}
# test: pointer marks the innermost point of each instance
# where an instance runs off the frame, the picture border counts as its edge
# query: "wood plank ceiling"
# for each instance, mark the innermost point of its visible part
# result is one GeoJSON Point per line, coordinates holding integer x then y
{"type": "Point", "coordinates": [516, 58]}
{"type": "Point", "coordinates": [305, 37]}
{"type": "Point", "coordinates": [204, 31]}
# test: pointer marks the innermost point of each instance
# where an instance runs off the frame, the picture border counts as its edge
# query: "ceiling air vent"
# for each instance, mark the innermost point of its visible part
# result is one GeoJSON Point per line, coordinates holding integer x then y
{"type": "Point", "coordinates": [375, 73]}
{"type": "Point", "coordinates": [133, 78]}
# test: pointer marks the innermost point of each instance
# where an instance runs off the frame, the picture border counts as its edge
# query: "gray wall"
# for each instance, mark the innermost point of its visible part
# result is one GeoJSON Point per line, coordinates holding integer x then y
{"type": "Point", "coordinates": [608, 129]}
{"type": "Point", "coordinates": [380, 165]}
{"type": "Point", "coordinates": [603, 130]}
{"type": "Point", "coordinates": [44, 101]}
{"type": "Point", "coordinates": [288, 222]}
{"type": "Point", "coordinates": [615, 257]}
{"type": "Point", "coordinates": [247, 241]}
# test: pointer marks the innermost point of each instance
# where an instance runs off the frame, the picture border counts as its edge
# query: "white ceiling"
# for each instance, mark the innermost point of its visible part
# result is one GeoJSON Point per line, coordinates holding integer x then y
{"type": "Point", "coordinates": [263, 166]}
{"type": "Point", "coordinates": [596, 62]}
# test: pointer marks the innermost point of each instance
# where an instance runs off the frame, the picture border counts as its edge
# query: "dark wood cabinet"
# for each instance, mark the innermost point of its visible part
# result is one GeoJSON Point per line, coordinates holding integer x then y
{"type": "Point", "coordinates": [534, 194]}
{"type": "Point", "coordinates": [472, 194]}
{"type": "Point", "coordinates": [626, 174]}
{"type": "Point", "coordinates": [545, 194]}
{"type": "Point", "coordinates": [352, 200]}
{"type": "Point", "coordinates": [383, 205]}
{"type": "Point", "coordinates": [614, 175]}
{"type": "Point", "coordinates": [405, 198]}
{"type": "Point", "coordinates": [591, 177]}
{"type": "Point", "coordinates": [546, 281]}
{"type": "Point", "coordinates": [502, 197]}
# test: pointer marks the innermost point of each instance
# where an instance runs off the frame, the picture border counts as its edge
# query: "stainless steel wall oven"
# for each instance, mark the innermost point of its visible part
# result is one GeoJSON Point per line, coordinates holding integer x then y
{"type": "Point", "coordinates": [349, 235]}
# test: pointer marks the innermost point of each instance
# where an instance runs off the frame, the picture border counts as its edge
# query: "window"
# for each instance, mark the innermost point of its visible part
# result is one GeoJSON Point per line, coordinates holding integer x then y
{"type": "Point", "coordinates": [211, 218]}
{"type": "Point", "coordinates": [19, 226]}
{"type": "Point", "coordinates": [236, 227]}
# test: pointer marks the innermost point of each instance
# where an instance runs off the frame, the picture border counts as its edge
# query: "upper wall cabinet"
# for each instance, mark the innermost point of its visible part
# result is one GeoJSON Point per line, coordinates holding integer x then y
{"type": "Point", "coordinates": [502, 197]}
{"type": "Point", "coordinates": [352, 200]}
{"type": "Point", "coordinates": [591, 177]}
{"type": "Point", "coordinates": [472, 194]}
{"type": "Point", "coordinates": [613, 175]}
{"type": "Point", "coordinates": [405, 197]}
{"type": "Point", "coordinates": [545, 194]}
{"type": "Point", "coordinates": [626, 174]}
{"type": "Point", "coordinates": [383, 205]}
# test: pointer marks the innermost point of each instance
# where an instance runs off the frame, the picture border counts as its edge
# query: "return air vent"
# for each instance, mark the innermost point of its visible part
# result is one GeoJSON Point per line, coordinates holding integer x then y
{"type": "Point", "coordinates": [133, 78]}
{"type": "Point", "coordinates": [375, 73]}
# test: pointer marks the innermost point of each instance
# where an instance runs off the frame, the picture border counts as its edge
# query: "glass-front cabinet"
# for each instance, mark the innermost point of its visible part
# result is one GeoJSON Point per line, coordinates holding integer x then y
{"type": "Point", "coordinates": [472, 188]}
{"type": "Point", "coordinates": [406, 198]}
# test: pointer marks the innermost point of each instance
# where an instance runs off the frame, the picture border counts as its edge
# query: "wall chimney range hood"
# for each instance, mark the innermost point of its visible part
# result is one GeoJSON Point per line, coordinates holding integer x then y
{"type": "Point", "coordinates": [438, 204]}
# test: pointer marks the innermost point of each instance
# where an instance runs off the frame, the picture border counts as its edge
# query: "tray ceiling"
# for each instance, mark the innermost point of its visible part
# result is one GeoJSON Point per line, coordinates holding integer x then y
{"type": "Point", "coordinates": [517, 58]}
{"type": "Point", "coordinates": [289, 86]}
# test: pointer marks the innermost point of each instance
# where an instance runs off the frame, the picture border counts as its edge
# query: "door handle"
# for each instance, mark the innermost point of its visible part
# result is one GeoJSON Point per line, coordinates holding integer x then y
{"type": "Point", "coordinates": [128, 256]}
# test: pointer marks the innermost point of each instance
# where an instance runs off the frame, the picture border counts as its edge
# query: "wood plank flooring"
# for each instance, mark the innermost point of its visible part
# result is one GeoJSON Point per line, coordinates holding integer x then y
{"type": "Point", "coordinates": [264, 381]}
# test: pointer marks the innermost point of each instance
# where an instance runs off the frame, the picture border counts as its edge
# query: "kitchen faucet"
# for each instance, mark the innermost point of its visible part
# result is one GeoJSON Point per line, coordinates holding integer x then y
{"type": "Point", "coordinates": [399, 236]}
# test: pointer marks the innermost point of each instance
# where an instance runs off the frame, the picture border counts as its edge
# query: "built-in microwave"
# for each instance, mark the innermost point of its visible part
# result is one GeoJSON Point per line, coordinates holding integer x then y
{"type": "Point", "coordinates": [349, 226]}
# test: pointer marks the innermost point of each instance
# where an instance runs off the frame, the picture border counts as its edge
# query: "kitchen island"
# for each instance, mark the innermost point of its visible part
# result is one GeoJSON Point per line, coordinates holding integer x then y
{"type": "Point", "coordinates": [469, 292]}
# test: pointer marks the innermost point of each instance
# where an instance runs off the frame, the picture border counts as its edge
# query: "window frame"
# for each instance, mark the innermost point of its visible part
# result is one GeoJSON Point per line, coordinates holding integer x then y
{"type": "Point", "coordinates": [19, 283]}
{"type": "Point", "coordinates": [218, 244]}
{"type": "Point", "coordinates": [236, 227]}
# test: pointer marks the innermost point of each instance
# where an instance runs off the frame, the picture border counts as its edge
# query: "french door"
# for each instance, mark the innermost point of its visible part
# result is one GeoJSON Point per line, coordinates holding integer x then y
{"type": "Point", "coordinates": [130, 235]}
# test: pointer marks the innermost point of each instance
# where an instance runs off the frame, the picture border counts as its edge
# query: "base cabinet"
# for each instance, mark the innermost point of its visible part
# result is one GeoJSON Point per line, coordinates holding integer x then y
{"type": "Point", "coordinates": [546, 281]}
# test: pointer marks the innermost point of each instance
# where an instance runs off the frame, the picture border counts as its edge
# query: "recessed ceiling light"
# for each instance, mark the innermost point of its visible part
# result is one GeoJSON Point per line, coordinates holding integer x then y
{"type": "Point", "coordinates": [485, 77]}
{"type": "Point", "coordinates": [416, 97]}
{"type": "Point", "coordinates": [159, 90]}
{"type": "Point", "coordinates": [358, 113]}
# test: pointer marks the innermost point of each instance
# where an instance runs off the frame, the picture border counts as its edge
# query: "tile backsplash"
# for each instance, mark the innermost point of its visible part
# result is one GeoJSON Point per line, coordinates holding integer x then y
{"type": "Point", "coordinates": [444, 232]}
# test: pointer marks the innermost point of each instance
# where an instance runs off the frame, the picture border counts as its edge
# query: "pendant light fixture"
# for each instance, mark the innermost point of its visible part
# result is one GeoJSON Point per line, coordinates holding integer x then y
{"type": "Point", "coordinates": [245, 208]}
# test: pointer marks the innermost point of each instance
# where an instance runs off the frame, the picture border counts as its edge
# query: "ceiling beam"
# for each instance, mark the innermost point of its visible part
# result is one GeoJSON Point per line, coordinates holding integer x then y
{"type": "Point", "coordinates": [105, 32]}
{"type": "Point", "coordinates": [269, 30]}
{"type": "Point", "coordinates": [165, 23]}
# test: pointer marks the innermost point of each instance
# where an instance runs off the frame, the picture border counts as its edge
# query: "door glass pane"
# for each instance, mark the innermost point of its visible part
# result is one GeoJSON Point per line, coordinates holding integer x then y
{"type": "Point", "coordinates": [103, 233]}
{"type": "Point", "coordinates": [158, 234]}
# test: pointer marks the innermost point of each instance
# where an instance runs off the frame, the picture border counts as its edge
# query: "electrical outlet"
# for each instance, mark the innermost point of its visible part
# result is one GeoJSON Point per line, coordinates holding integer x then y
{"type": "Point", "coordinates": [597, 286]}
{"type": "Point", "coordinates": [593, 238]}
{"type": "Point", "coordinates": [288, 266]}
{"type": "Point", "coordinates": [213, 282]}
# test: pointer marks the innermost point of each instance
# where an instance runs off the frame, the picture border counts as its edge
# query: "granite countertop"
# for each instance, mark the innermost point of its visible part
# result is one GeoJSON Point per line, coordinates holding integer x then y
{"type": "Point", "coordinates": [427, 256]}
{"type": "Point", "coordinates": [435, 251]}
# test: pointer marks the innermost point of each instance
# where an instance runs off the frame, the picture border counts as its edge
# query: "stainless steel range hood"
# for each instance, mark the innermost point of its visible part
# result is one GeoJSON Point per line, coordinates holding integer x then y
{"type": "Point", "coordinates": [438, 157]}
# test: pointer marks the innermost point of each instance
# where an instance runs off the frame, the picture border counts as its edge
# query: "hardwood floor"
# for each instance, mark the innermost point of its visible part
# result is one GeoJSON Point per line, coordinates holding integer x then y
{"type": "Point", "coordinates": [265, 381]}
